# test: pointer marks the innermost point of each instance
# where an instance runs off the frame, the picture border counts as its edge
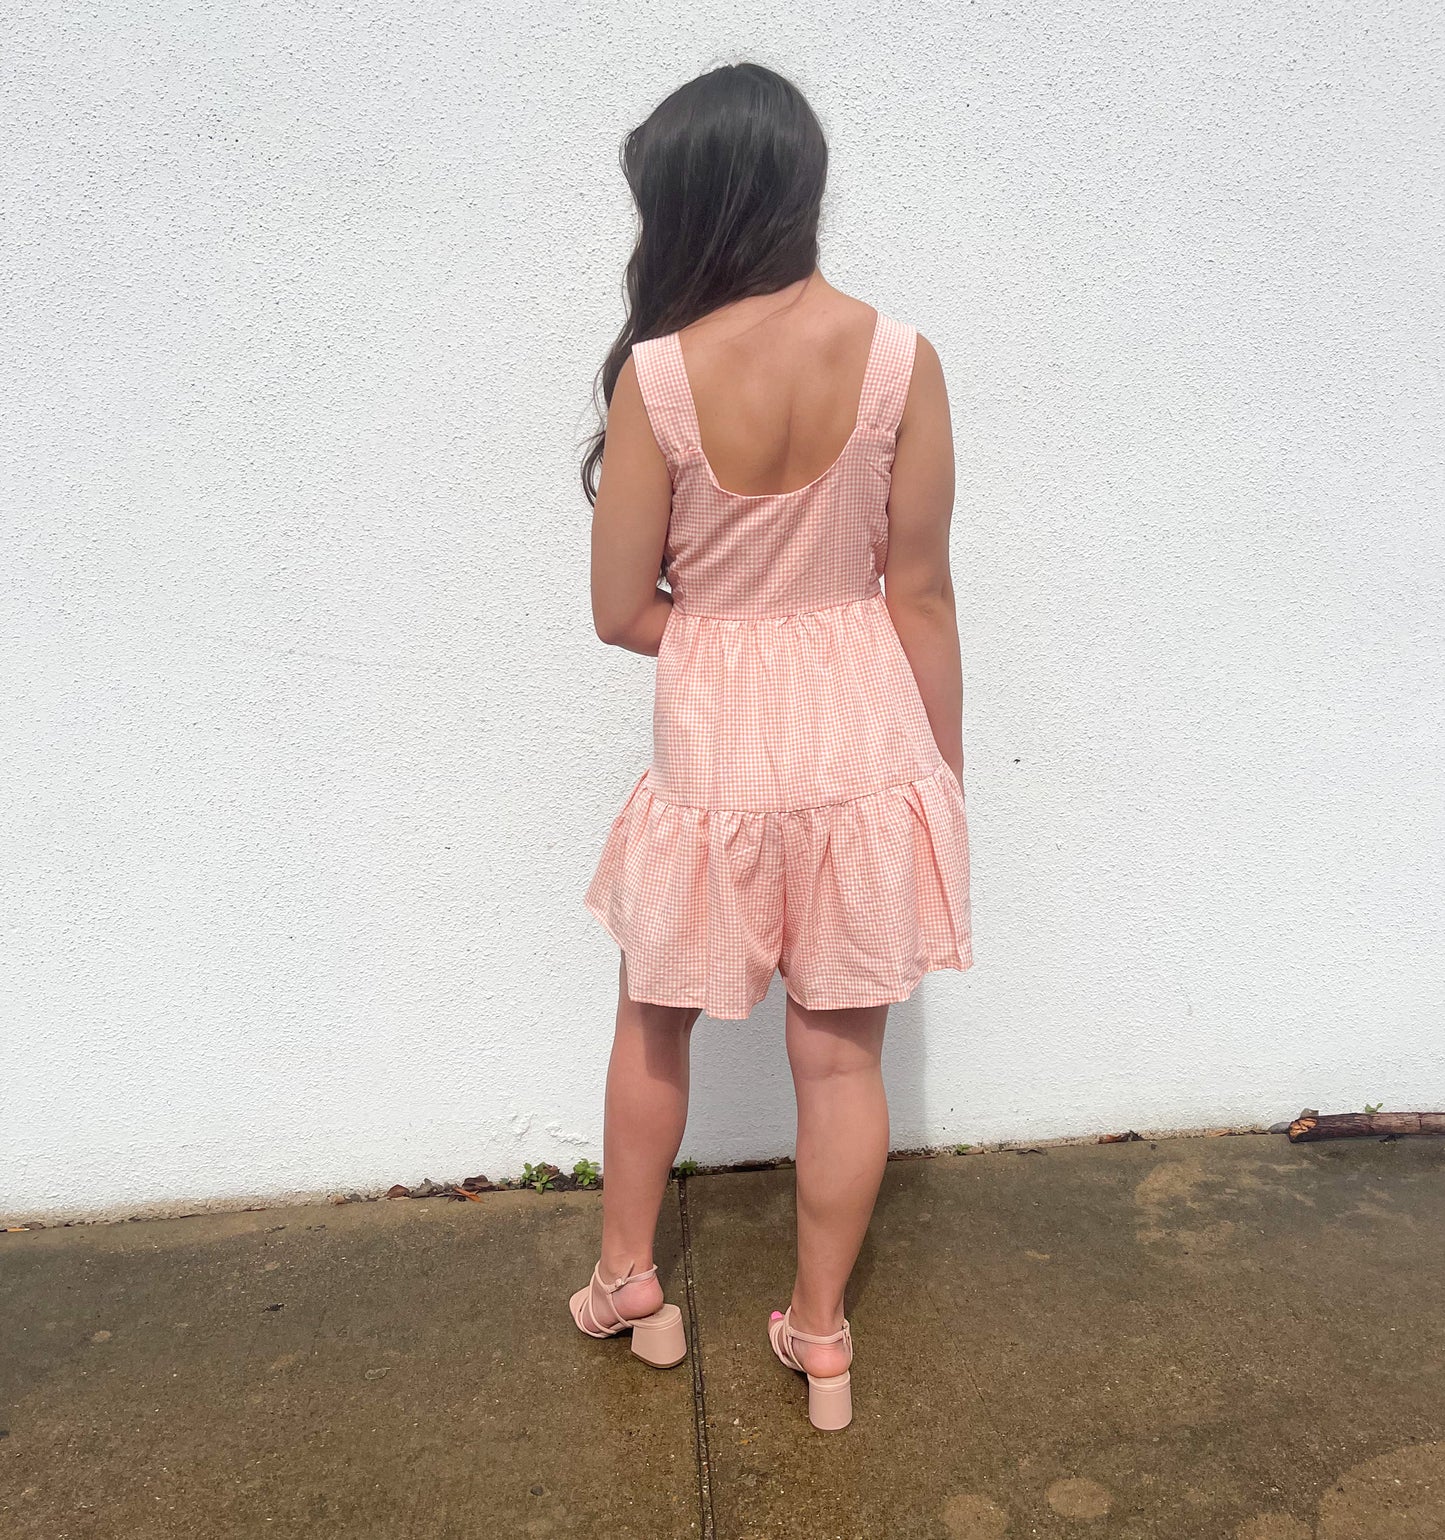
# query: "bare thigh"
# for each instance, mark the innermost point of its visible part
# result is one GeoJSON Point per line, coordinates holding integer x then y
{"type": "Point", "coordinates": [824, 1044]}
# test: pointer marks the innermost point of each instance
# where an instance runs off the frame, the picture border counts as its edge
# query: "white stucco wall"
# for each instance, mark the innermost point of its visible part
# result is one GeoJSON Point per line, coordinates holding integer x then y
{"type": "Point", "coordinates": [308, 747]}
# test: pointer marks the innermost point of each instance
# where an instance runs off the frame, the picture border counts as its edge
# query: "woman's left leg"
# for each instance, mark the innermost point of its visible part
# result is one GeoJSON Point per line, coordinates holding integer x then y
{"type": "Point", "coordinates": [644, 1117]}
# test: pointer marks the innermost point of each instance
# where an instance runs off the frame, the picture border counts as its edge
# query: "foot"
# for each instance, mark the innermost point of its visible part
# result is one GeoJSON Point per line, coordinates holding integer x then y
{"type": "Point", "coordinates": [822, 1359]}
{"type": "Point", "coordinates": [643, 1297]}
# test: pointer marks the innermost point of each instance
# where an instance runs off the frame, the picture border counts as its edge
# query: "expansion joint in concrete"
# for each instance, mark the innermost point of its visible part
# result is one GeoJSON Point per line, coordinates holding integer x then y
{"type": "Point", "coordinates": [699, 1387]}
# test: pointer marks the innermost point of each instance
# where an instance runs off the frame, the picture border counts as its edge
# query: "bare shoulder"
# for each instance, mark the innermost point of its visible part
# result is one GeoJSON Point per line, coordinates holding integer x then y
{"type": "Point", "coordinates": [626, 409]}
{"type": "Point", "coordinates": [633, 448]}
{"type": "Point", "coordinates": [627, 383]}
{"type": "Point", "coordinates": [927, 365]}
{"type": "Point", "coordinates": [927, 399]}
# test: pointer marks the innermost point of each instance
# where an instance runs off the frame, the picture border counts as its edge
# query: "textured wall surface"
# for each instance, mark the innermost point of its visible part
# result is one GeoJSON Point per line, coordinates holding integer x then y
{"type": "Point", "coordinates": [308, 747]}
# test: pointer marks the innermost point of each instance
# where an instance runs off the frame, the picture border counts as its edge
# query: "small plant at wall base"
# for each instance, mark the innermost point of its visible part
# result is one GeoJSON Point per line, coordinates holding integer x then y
{"type": "Point", "coordinates": [685, 1168]}
{"type": "Point", "coordinates": [539, 1177]}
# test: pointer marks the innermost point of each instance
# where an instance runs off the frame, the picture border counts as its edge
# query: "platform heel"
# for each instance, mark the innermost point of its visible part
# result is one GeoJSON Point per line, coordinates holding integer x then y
{"type": "Point", "coordinates": [830, 1397]}
{"type": "Point", "coordinates": [657, 1339]}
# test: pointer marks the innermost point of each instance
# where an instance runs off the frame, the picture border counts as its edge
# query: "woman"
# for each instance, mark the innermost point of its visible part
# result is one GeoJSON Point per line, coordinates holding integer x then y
{"type": "Point", "coordinates": [781, 453]}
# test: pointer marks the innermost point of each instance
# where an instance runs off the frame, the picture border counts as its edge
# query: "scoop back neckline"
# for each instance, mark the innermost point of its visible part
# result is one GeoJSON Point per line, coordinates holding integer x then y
{"type": "Point", "coordinates": [675, 338]}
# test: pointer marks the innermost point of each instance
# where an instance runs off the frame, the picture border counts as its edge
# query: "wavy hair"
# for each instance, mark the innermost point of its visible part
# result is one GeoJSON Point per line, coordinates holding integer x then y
{"type": "Point", "coordinates": [727, 174]}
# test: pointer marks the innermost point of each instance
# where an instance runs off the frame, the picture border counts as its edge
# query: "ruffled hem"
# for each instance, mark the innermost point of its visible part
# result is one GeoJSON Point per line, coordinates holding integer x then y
{"type": "Point", "coordinates": [854, 901]}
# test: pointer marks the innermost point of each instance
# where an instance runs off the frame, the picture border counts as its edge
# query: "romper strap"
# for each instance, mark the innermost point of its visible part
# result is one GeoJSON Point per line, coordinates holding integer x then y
{"type": "Point", "coordinates": [890, 369]}
{"type": "Point", "coordinates": [662, 380]}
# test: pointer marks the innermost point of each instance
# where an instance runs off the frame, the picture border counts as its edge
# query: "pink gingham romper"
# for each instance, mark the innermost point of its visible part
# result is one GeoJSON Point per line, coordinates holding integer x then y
{"type": "Point", "coordinates": [797, 815]}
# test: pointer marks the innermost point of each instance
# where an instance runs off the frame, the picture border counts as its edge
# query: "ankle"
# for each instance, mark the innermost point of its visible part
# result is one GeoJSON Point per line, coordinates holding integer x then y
{"type": "Point", "coordinates": [612, 1266]}
{"type": "Point", "coordinates": [819, 1320]}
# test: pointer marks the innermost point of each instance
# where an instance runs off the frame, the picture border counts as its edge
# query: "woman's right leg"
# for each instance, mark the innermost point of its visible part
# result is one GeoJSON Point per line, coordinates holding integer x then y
{"type": "Point", "coordinates": [836, 1059]}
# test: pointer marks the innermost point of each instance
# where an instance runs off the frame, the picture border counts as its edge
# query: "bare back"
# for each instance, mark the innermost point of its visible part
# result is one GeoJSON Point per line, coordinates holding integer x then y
{"type": "Point", "coordinates": [777, 395]}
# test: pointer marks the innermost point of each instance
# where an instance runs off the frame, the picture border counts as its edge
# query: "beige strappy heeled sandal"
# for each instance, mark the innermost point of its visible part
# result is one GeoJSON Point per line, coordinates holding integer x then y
{"type": "Point", "coordinates": [657, 1339]}
{"type": "Point", "coordinates": [830, 1397]}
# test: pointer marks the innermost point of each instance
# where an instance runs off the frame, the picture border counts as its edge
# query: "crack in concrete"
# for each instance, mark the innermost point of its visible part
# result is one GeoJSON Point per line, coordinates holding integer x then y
{"type": "Point", "coordinates": [699, 1388]}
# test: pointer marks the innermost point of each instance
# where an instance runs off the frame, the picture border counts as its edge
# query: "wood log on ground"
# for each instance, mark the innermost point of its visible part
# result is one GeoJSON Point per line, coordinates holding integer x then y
{"type": "Point", "coordinates": [1360, 1125]}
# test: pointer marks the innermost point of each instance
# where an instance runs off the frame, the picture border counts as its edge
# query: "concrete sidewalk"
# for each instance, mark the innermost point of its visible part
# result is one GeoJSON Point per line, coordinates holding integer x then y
{"type": "Point", "coordinates": [1227, 1338]}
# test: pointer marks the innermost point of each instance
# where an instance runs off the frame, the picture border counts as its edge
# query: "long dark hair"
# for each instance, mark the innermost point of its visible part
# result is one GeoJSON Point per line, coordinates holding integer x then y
{"type": "Point", "coordinates": [728, 175]}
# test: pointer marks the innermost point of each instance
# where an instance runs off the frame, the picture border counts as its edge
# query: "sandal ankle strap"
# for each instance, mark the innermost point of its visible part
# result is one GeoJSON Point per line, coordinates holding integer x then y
{"type": "Point", "coordinates": [806, 1336]}
{"type": "Point", "coordinates": [630, 1277]}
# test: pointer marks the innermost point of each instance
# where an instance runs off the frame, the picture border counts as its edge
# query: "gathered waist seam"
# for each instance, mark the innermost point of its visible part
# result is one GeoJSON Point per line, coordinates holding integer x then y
{"type": "Point", "coordinates": [817, 609]}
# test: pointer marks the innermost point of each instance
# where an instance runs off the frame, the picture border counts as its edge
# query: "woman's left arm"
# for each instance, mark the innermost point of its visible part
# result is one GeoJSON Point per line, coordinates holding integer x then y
{"type": "Point", "coordinates": [629, 526]}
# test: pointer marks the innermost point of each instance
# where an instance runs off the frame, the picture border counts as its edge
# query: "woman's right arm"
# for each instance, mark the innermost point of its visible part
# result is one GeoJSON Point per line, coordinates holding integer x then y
{"type": "Point", "coordinates": [917, 582]}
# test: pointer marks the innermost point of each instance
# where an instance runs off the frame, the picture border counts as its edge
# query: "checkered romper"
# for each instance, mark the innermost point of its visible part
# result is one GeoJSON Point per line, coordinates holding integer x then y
{"type": "Point", "coordinates": [797, 815]}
